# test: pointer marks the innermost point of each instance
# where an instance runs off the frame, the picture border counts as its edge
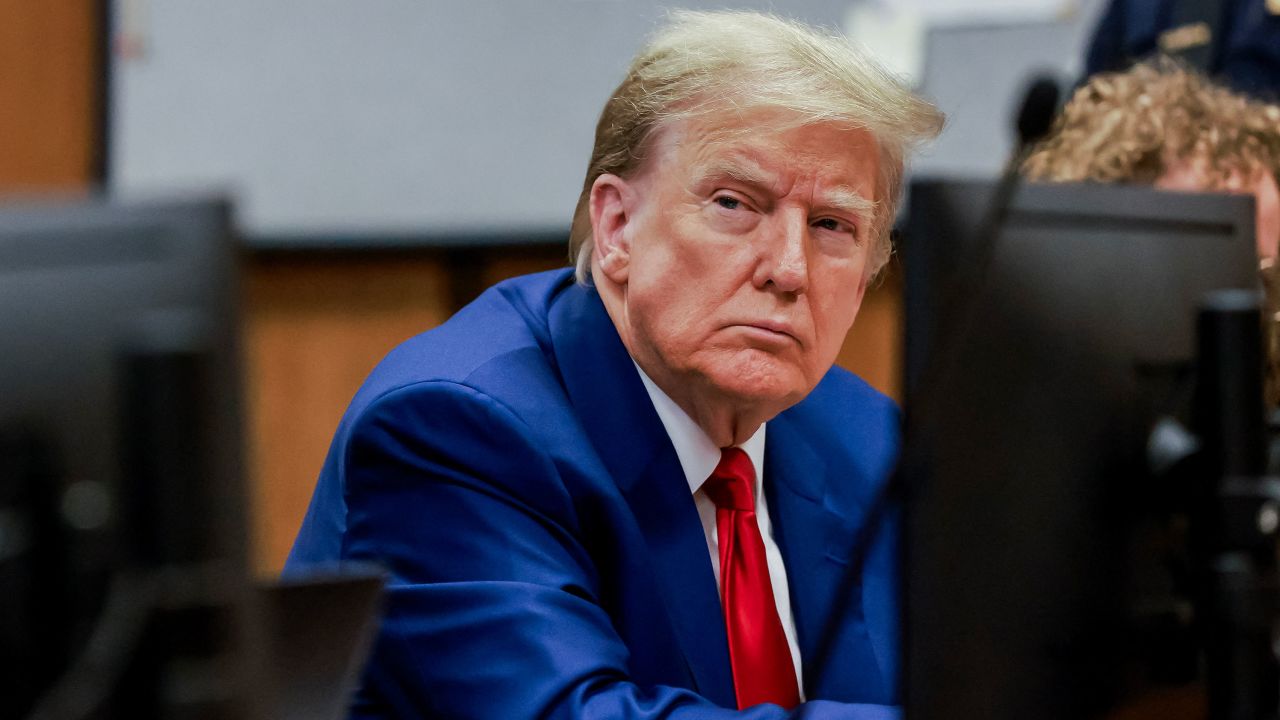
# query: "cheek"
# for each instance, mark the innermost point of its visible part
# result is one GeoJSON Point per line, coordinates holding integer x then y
{"type": "Point", "coordinates": [667, 309]}
{"type": "Point", "coordinates": [1268, 220]}
{"type": "Point", "coordinates": [836, 313]}
{"type": "Point", "coordinates": [1183, 178]}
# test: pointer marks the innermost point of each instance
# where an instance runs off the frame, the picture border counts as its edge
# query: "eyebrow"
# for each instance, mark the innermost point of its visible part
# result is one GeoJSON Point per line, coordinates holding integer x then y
{"type": "Point", "coordinates": [840, 198]}
{"type": "Point", "coordinates": [845, 199]}
{"type": "Point", "coordinates": [742, 170]}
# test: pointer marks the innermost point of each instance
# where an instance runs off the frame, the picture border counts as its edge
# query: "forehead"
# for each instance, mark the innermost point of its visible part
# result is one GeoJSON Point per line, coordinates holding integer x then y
{"type": "Point", "coordinates": [766, 147]}
{"type": "Point", "coordinates": [1198, 173]}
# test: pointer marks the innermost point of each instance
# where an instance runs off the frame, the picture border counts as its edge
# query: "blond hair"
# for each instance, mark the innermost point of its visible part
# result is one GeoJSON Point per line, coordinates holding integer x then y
{"type": "Point", "coordinates": [703, 63]}
{"type": "Point", "coordinates": [1132, 126]}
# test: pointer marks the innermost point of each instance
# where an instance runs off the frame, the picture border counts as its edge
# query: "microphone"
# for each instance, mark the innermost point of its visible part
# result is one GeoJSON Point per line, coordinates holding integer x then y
{"type": "Point", "coordinates": [1040, 103]}
{"type": "Point", "coordinates": [1035, 116]}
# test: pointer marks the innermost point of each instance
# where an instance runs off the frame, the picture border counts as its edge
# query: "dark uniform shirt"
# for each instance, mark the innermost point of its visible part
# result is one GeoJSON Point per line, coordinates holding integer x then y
{"type": "Point", "coordinates": [1243, 51]}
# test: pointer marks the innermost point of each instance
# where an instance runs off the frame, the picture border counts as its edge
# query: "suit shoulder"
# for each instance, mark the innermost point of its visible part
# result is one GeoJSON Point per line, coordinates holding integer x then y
{"type": "Point", "coordinates": [843, 395]}
{"type": "Point", "coordinates": [507, 320]}
{"type": "Point", "coordinates": [495, 350]}
{"type": "Point", "coordinates": [852, 420]}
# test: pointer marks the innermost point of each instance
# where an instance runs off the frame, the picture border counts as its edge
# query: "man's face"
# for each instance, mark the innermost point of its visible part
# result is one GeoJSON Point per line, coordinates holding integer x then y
{"type": "Point", "coordinates": [745, 257]}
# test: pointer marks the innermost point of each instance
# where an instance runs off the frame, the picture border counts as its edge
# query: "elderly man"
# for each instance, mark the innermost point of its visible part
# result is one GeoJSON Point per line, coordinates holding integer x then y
{"type": "Point", "coordinates": [635, 493]}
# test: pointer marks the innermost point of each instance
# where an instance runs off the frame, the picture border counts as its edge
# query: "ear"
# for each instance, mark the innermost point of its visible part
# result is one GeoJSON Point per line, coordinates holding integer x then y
{"type": "Point", "coordinates": [611, 204]}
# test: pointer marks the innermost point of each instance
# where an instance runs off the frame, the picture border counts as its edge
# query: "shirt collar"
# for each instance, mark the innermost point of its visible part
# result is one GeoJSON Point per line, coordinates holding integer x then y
{"type": "Point", "coordinates": [698, 455]}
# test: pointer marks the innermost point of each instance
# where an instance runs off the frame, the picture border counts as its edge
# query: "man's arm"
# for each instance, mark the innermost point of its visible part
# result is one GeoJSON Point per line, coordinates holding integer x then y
{"type": "Point", "coordinates": [493, 607]}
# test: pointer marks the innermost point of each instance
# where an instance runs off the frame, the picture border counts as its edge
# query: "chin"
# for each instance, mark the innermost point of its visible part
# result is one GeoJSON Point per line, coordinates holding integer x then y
{"type": "Point", "coordinates": [768, 383]}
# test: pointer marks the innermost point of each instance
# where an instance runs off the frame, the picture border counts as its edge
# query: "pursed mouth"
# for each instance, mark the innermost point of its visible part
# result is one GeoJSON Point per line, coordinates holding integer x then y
{"type": "Point", "coordinates": [769, 329]}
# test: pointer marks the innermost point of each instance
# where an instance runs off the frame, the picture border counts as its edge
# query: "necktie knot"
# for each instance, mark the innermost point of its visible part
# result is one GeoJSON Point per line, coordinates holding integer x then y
{"type": "Point", "coordinates": [731, 485]}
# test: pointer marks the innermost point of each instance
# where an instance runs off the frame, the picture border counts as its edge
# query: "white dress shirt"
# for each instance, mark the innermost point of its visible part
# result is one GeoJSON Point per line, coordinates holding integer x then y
{"type": "Point", "coordinates": [698, 458]}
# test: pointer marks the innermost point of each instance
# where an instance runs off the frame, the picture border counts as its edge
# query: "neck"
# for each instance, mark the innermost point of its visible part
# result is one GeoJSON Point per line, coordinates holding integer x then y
{"type": "Point", "coordinates": [726, 426]}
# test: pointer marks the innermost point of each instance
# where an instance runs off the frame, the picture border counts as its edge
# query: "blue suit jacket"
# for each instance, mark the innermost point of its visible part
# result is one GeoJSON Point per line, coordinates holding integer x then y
{"type": "Point", "coordinates": [545, 553]}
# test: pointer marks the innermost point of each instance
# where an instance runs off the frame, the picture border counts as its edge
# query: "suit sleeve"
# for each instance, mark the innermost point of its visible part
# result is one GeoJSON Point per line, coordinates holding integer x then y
{"type": "Point", "coordinates": [492, 608]}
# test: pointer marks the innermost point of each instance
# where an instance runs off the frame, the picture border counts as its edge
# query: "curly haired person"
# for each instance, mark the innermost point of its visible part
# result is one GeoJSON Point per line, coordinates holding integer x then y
{"type": "Point", "coordinates": [1162, 124]}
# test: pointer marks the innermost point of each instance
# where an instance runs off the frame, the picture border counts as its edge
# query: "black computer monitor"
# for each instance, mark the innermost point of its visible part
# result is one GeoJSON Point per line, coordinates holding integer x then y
{"type": "Point", "coordinates": [120, 447]}
{"type": "Point", "coordinates": [1042, 575]}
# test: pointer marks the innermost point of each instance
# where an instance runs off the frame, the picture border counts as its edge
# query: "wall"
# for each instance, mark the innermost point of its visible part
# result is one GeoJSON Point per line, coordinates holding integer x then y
{"type": "Point", "coordinates": [453, 117]}
{"type": "Point", "coordinates": [363, 119]}
{"type": "Point", "coordinates": [315, 322]}
{"type": "Point", "coordinates": [49, 59]}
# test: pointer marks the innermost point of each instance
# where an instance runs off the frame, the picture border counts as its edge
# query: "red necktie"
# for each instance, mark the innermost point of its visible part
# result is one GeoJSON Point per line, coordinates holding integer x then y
{"type": "Point", "coordinates": [762, 668]}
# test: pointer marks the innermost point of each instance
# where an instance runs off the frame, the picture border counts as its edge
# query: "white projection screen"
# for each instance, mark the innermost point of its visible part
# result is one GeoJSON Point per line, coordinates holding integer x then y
{"type": "Point", "coordinates": [459, 121]}
{"type": "Point", "coordinates": [360, 119]}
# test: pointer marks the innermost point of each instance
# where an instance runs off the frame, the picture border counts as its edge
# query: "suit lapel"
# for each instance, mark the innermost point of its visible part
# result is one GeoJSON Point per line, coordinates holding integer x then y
{"type": "Point", "coordinates": [814, 537]}
{"type": "Point", "coordinates": [626, 432]}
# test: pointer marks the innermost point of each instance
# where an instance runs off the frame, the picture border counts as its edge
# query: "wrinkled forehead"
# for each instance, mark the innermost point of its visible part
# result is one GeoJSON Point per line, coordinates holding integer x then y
{"type": "Point", "coordinates": [752, 144]}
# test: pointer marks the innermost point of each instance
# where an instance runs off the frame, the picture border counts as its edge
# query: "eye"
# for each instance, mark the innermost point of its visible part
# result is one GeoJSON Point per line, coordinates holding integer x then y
{"type": "Point", "coordinates": [728, 202]}
{"type": "Point", "coordinates": [835, 225]}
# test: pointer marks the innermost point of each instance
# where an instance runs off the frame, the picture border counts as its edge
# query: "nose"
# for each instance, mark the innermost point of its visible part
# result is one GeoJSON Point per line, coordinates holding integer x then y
{"type": "Point", "coordinates": [784, 262]}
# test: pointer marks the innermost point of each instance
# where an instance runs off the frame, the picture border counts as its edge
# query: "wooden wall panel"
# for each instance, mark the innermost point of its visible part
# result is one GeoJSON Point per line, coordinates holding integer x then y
{"type": "Point", "coordinates": [874, 346]}
{"type": "Point", "coordinates": [314, 328]}
{"type": "Point", "coordinates": [523, 261]}
{"type": "Point", "coordinates": [49, 77]}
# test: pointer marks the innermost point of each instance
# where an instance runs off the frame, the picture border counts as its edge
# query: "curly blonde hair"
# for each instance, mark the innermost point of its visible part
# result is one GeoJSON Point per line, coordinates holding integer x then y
{"type": "Point", "coordinates": [1131, 126]}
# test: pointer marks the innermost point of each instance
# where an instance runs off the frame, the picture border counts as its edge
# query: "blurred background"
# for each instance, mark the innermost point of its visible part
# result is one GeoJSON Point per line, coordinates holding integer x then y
{"type": "Point", "coordinates": [390, 159]}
